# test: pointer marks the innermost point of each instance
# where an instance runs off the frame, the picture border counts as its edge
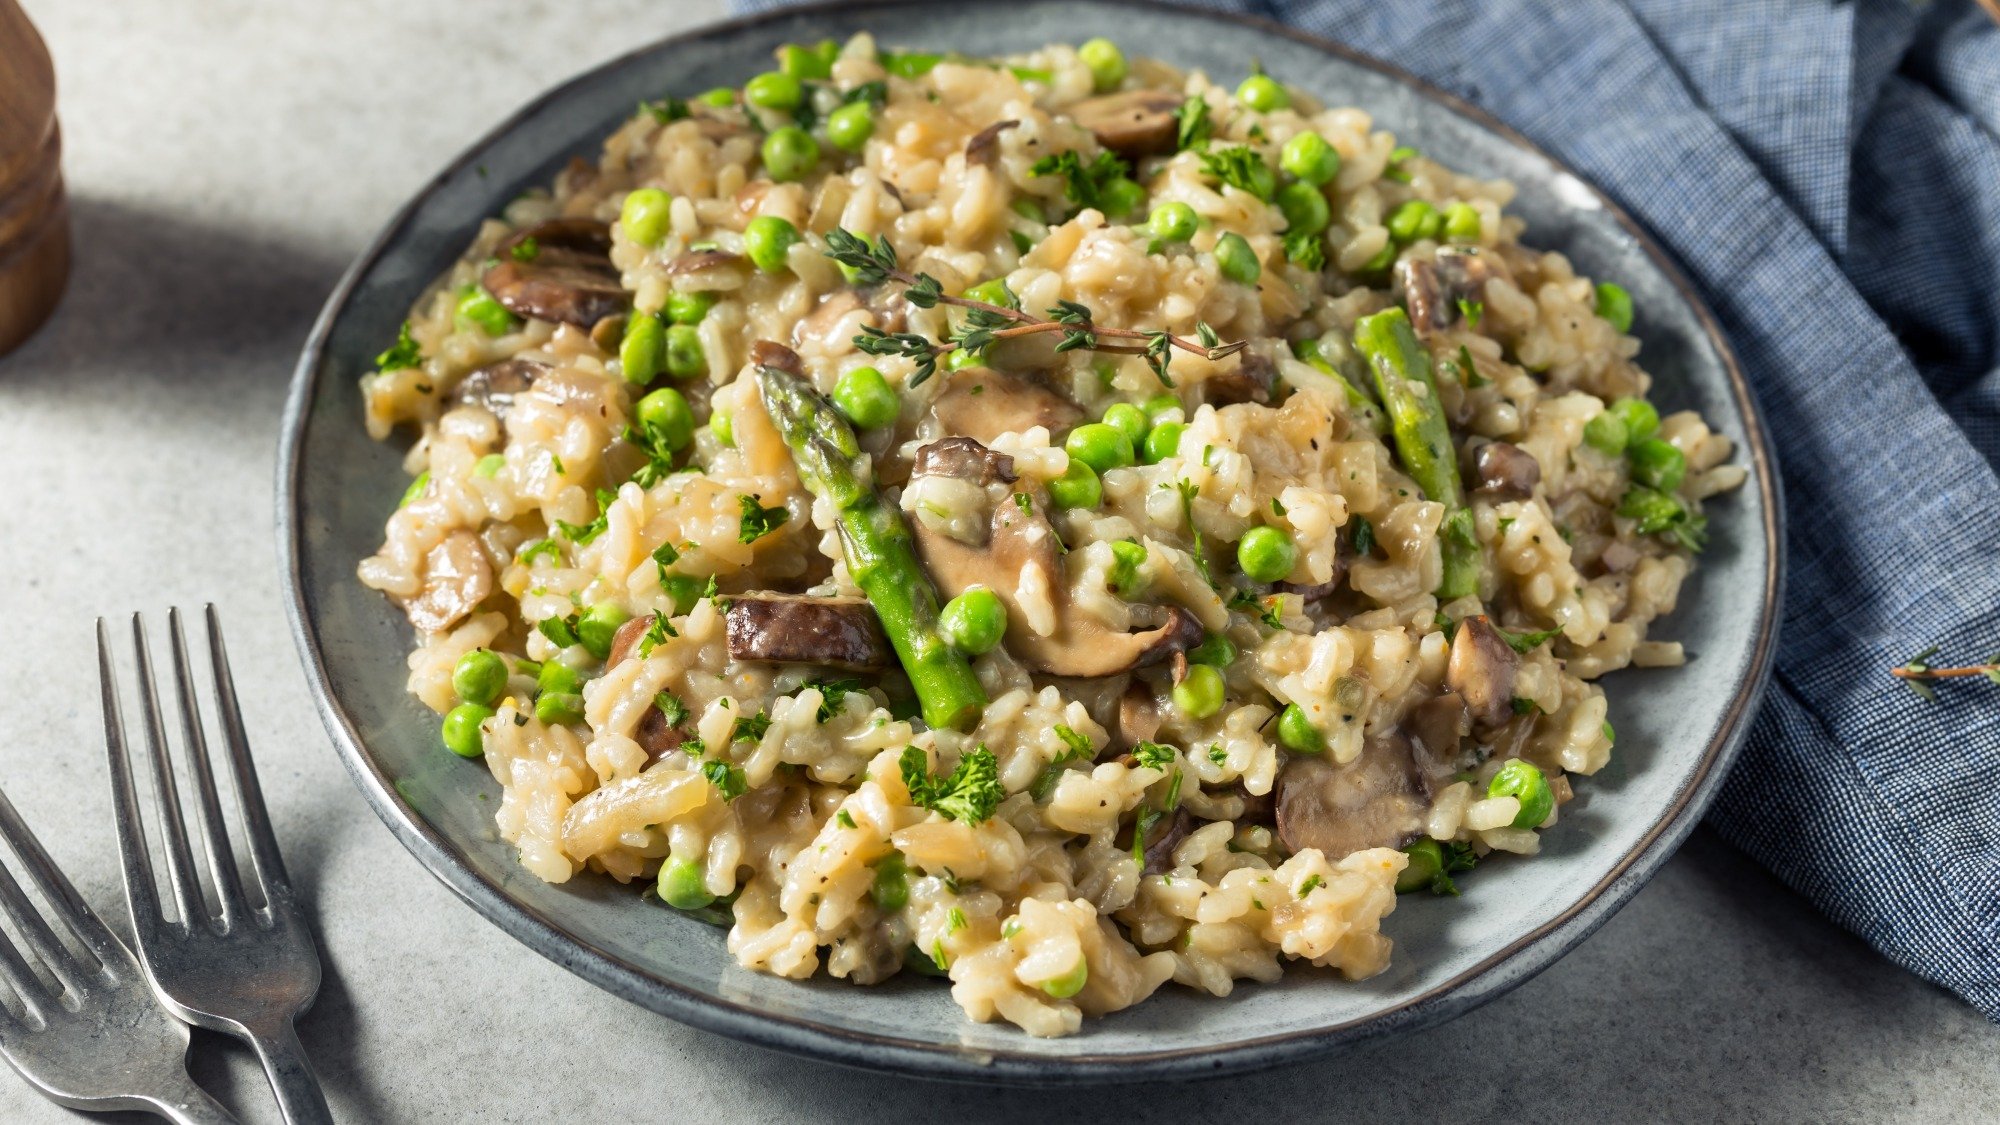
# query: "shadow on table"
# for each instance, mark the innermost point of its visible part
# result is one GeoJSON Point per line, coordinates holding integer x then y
{"type": "Point", "coordinates": [1717, 993]}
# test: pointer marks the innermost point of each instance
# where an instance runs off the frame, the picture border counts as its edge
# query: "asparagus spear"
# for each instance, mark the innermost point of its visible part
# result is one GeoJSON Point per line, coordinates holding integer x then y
{"type": "Point", "coordinates": [881, 554]}
{"type": "Point", "coordinates": [1423, 441]}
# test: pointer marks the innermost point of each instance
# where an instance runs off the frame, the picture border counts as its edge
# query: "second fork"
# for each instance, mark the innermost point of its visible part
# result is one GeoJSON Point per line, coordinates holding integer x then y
{"type": "Point", "coordinates": [221, 961]}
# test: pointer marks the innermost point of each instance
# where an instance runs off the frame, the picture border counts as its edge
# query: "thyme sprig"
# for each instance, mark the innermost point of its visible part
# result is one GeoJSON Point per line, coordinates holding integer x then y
{"type": "Point", "coordinates": [874, 262]}
{"type": "Point", "coordinates": [1919, 672]}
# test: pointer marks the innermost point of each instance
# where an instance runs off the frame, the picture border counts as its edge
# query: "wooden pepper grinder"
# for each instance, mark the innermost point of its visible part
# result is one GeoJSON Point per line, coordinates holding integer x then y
{"type": "Point", "coordinates": [34, 215]}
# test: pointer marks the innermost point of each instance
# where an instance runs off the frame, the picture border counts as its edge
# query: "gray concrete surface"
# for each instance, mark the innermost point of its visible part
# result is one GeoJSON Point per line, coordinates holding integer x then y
{"type": "Point", "coordinates": [226, 159]}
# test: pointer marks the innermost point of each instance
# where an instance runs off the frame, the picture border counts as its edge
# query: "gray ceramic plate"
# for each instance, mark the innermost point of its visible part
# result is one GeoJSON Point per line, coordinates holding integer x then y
{"type": "Point", "coordinates": [1677, 729]}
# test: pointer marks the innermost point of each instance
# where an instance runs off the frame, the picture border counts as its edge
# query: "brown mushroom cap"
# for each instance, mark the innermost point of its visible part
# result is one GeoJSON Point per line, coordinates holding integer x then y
{"type": "Point", "coordinates": [983, 147]}
{"type": "Point", "coordinates": [1162, 838]}
{"type": "Point", "coordinates": [654, 735]}
{"type": "Point", "coordinates": [1019, 540]}
{"type": "Point", "coordinates": [1378, 800]}
{"type": "Point", "coordinates": [494, 386]}
{"type": "Point", "coordinates": [1133, 123]}
{"type": "Point", "coordinates": [569, 279]}
{"type": "Point", "coordinates": [457, 577]}
{"type": "Point", "coordinates": [797, 629]}
{"type": "Point", "coordinates": [1505, 471]}
{"type": "Point", "coordinates": [1433, 290]}
{"type": "Point", "coordinates": [1482, 669]}
{"type": "Point", "coordinates": [982, 403]}
{"type": "Point", "coordinates": [1139, 717]}
{"type": "Point", "coordinates": [1251, 380]}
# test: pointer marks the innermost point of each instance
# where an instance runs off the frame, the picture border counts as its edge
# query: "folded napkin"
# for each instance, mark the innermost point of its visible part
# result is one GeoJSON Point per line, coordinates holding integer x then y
{"type": "Point", "coordinates": [1829, 174]}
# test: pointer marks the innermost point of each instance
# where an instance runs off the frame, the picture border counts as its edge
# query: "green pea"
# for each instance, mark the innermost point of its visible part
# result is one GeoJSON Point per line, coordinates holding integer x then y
{"type": "Point", "coordinates": [993, 291]}
{"type": "Point", "coordinates": [1262, 93]}
{"type": "Point", "coordinates": [1161, 405]}
{"type": "Point", "coordinates": [1236, 260]}
{"type": "Point", "coordinates": [790, 153]}
{"type": "Point", "coordinates": [1121, 196]}
{"type": "Point", "coordinates": [720, 96]}
{"type": "Point", "coordinates": [1304, 208]}
{"type": "Point", "coordinates": [1426, 864]}
{"type": "Point", "coordinates": [645, 215]}
{"type": "Point", "coordinates": [1606, 434]}
{"type": "Point", "coordinates": [1523, 780]}
{"type": "Point", "coordinates": [910, 64]}
{"type": "Point", "coordinates": [1215, 650]}
{"type": "Point", "coordinates": [1106, 63]}
{"type": "Point", "coordinates": [1078, 487]}
{"type": "Point", "coordinates": [1070, 983]}
{"type": "Point", "coordinates": [1126, 559]}
{"type": "Point", "coordinates": [685, 590]}
{"type": "Point", "coordinates": [682, 886]}
{"type": "Point", "coordinates": [1173, 222]}
{"type": "Point", "coordinates": [489, 466]}
{"type": "Point", "coordinates": [598, 626]}
{"type": "Point", "coordinates": [1654, 511]}
{"type": "Point", "coordinates": [774, 89]}
{"type": "Point", "coordinates": [1383, 259]}
{"type": "Point", "coordinates": [1128, 420]}
{"type": "Point", "coordinates": [1297, 733]}
{"type": "Point", "coordinates": [723, 429]}
{"type": "Point", "coordinates": [477, 307]}
{"type": "Point", "coordinates": [685, 357]}
{"type": "Point", "coordinates": [803, 62]}
{"type": "Point", "coordinates": [644, 349]}
{"type": "Point", "coordinates": [461, 732]}
{"type": "Point", "coordinates": [1310, 158]}
{"type": "Point", "coordinates": [479, 677]}
{"type": "Point", "coordinates": [1414, 220]}
{"type": "Point", "coordinates": [689, 308]}
{"type": "Point", "coordinates": [1164, 441]}
{"type": "Point", "coordinates": [849, 127]}
{"type": "Point", "coordinates": [558, 707]}
{"type": "Point", "coordinates": [767, 240]}
{"type": "Point", "coordinates": [1199, 694]}
{"type": "Point", "coordinates": [1102, 447]}
{"type": "Point", "coordinates": [1657, 464]}
{"type": "Point", "coordinates": [1615, 305]}
{"type": "Point", "coordinates": [557, 678]}
{"type": "Point", "coordinates": [891, 888]}
{"type": "Point", "coordinates": [1266, 554]}
{"type": "Point", "coordinates": [1640, 418]}
{"type": "Point", "coordinates": [961, 358]}
{"type": "Point", "coordinates": [974, 621]}
{"type": "Point", "coordinates": [1461, 222]}
{"type": "Point", "coordinates": [867, 399]}
{"type": "Point", "coordinates": [665, 412]}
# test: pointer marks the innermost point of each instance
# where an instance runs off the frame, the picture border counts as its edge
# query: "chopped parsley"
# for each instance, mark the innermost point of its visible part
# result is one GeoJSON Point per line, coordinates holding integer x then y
{"type": "Point", "coordinates": [1471, 310]}
{"type": "Point", "coordinates": [656, 635]}
{"type": "Point", "coordinates": [1024, 502]}
{"type": "Point", "coordinates": [873, 92]}
{"type": "Point", "coordinates": [1364, 536]}
{"type": "Point", "coordinates": [1195, 126]}
{"type": "Point", "coordinates": [1469, 374]}
{"type": "Point", "coordinates": [844, 818]}
{"type": "Point", "coordinates": [1153, 756]}
{"type": "Point", "coordinates": [526, 250]}
{"type": "Point", "coordinates": [666, 111]}
{"type": "Point", "coordinates": [666, 555]}
{"type": "Point", "coordinates": [1524, 706]}
{"type": "Point", "coordinates": [1141, 825]}
{"type": "Point", "coordinates": [750, 728]}
{"type": "Point", "coordinates": [1083, 184]}
{"type": "Point", "coordinates": [1395, 170]}
{"type": "Point", "coordinates": [561, 631]}
{"type": "Point", "coordinates": [1218, 755]}
{"type": "Point", "coordinates": [758, 521]}
{"type": "Point", "coordinates": [671, 708]}
{"type": "Point", "coordinates": [1076, 747]}
{"type": "Point", "coordinates": [1263, 609]}
{"type": "Point", "coordinates": [832, 695]}
{"type": "Point", "coordinates": [726, 778]}
{"type": "Point", "coordinates": [969, 794]}
{"type": "Point", "coordinates": [539, 548]}
{"type": "Point", "coordinates": [581, 534]}
{"type": "Point", "coordinates": [1188, 491]}
{"type": "Point", "coordinates": [1312, 881]}
{"type": "Point", "coordinates": [1077, 742]}
{"type": "Point", "coordinates": [401, 354]}
{"type": "Point", "coordinates": [416, 489]}
{"type": "Point", "coordinates": [1306, 250]}
{"type": "Point", "coordinates": [1239, 166]}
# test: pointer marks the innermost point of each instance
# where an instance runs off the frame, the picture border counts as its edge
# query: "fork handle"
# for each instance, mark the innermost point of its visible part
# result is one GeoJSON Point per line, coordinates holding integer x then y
{"type": "Point", "coordinates": [189, 1104]}
{"type": "Point", "coordinates": [290, 1074]}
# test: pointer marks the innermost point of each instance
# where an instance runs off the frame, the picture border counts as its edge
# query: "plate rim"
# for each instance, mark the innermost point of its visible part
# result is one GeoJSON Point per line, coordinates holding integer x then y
{"type": "Point", "coordinates": [1513, 964]}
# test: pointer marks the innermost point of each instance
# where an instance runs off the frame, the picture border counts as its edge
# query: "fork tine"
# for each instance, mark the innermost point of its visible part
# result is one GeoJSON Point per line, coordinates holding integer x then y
{"type": "Point", "coordinates": [142, 898]}
{"type": "Point", "coordinates": [28, 922]}
{"type": "Point", "coordinates": [180, 861]}
{"type": "Point", "coordinates": [54, 886]}
{"type": "Point", "coordinates": [21, 979]}
{"type": "Point", "coordinates": [215, 833]}
{"type": "Point", "coordinates": [264, 857]}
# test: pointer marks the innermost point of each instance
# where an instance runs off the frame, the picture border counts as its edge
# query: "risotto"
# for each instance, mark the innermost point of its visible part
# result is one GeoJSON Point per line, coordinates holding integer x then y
{"type": "Point", "coordinates": [1054, 522]}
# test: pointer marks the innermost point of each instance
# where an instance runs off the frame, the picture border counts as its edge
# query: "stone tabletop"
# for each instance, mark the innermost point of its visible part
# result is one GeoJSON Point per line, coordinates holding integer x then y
{"type": "Point", "coordinates": [226, 159]}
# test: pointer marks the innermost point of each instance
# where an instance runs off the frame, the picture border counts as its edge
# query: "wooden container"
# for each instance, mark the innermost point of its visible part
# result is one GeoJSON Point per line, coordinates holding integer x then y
{"type": "Point", "coordinates": [34, 215]}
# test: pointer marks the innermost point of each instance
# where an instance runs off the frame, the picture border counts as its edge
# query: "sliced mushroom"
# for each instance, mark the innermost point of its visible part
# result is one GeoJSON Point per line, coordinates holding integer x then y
{"type": "Point", "coordinates": [494, 386]}
{"type": "Point", "coordinates": [699, 260]}
{"type": "Point", "coordinates": [797, 629]}
{"type": "Point", "coordinates": [1258, 808]}
{"type": "Point", "coordinates": [982, 403]}
{"type": "Point", "coordinates": [569, 277]}
{"type": "Point", "coordinates": [1251, 380]}
{"type": "Point", "coordinates": [1139, 718]}
{"type": "Point", "coordinates": [767, 353]}
{"type": "Point", "coordinates": [1165, 834]}
{"type": "Point", "coordinates": [1439, 725]}
{"type": "Point", "coordinates": [1482, 669]}
{"type": "Point", "coordinates": [1020, 549]}
{"type": "Point", "coordinates": [983, 147]}
{"type": "Point", "coordinates": [1505, 471]}
{"type": "Point", "coordinates": [627, 639]}
{"type": "Point", "coordinates": [1435, 290]}
{"type": "Point", "coordinates": [1133, 123]}
{"type": "Point", "coordinates": [820, 323]}
{"type": "Point", "coordinates": [457, 577]}
{"type": "Point", "coordinates": [1378, 800]}
{"type": "Point", "coordinates": [655, 735]}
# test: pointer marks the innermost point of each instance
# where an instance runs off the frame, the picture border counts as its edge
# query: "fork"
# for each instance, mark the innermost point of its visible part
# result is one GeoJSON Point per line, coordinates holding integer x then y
{"type": "Point", "coordinates": [242, 968]}
{"type": "Point", "coordinates": [98, 1039]}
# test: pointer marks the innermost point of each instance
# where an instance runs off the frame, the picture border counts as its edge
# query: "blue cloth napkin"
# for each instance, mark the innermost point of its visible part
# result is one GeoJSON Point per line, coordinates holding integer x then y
{"type": "Point", "coordinates": [1829, 174]}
